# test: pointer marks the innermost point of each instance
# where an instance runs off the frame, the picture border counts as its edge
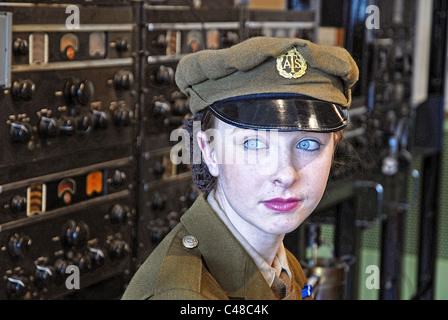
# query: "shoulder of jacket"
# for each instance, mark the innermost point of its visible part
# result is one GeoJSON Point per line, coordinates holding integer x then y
{"type": "Point", "coordinates": [181, 268]}
{"type": "Point", "coordinates": [170, 266]}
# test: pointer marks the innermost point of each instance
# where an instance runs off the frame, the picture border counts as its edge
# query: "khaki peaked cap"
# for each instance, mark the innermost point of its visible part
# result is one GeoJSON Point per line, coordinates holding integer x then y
{"type": "Point", "coordinates": [249, 68]}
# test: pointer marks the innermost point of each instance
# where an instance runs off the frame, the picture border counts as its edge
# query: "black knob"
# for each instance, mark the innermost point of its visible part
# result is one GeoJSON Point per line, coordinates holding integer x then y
{"type": "Point", "coordinates": [173, 219]}
{"type": "Point", "coordinates": [158, 229]}
{"type": "Point", "coordinates": [123, 80]}
{"type": "Point", "coordinates": [48, 127]}
{"type": "Point", "coordinates": [20, 132]}
{"type": "Point", "coordinates": [60, 268]}
{"type": "Point", "coordinates": [23, 90]}
{"type": "Point", "coordinates": [158, 170]}
{"type": "Point", "coordinates": [119, 214]}
{"type": "Point", "coordinates": [17, 204]}
{"type": "Point", "coordinates": [164, 75]}
{"type": "Point", "coordinates": [175, 121]}
{"type": "Point", "coordinates": [102, 119]}
{"type": "Point", "coordinates": [84, 92]}
{"type": "Point", "coordinates": [190, 195]}
{"type": "Point", "coordinates": [118, 249]}
{"type": "Point", "coordinates": [18, 245]}
{"type": "Point", "coordinates": [162, 109]}
{"type": "Point", "coordinates": [20, 47]}
{"type": "Point", "coordinates": [121, 45]}
{"type": "Point", "coordinates": [122, 115]}
{"type": "Point", "coordinates": [43, 276]}
{"type": "Point", "coordinates": [75, 235]}
{"type": "Point", "coordinates": [78, 92]}
{"type": "Point", "coordinates": [16, 287]}
{"type": "Point", "coordinates": [97, 257]}
{"type": "Point", "coordinates": [160, 41]}
{"type": "Point", "coordinates": [229, 39]}
{"type": "Point", "coordinates": [85, 123]}
{"type": "Point", "coordinates": [158, 201]}
{"type": "Point", "coordinates": [181, 107]}
{"type": "Point", "coordinates": [82, 261]}
{"type": "Point", "coordinates": [67, 125]}
{"type": "Point", "coordinates": [118, 178]}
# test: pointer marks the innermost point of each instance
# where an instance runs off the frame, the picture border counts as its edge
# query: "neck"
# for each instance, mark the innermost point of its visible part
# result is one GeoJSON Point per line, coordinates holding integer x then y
{"type": "Point", "coordinates": [266, 244]}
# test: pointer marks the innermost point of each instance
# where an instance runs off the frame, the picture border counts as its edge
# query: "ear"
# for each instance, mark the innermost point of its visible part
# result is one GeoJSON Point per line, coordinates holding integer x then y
{"type": "Point", "coordinates": [208, 153]}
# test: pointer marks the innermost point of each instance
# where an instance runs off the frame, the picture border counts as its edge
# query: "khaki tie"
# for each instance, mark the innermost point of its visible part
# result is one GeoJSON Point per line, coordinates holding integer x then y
{"type": "Point", "coordinates": [283, 288]}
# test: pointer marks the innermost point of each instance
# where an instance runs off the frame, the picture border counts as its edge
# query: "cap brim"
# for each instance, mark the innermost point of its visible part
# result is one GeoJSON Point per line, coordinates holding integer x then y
{"type": "Point", "coordinates": [283, 113]}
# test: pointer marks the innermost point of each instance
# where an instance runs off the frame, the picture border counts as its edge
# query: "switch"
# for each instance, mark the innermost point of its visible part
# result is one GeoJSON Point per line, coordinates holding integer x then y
{"type": "Point", "coordinates": [16, 287]}
{"type": "Point", "coordinates": [102, 119]}
{"type": "Point", "coordinates": [43, 276]}
{"type": "Point", "coordinates": [20, 132]}
{"type": "Point", "coordinates": [97, 257]}
{"type": "Point", "coordinates": [48, 127]}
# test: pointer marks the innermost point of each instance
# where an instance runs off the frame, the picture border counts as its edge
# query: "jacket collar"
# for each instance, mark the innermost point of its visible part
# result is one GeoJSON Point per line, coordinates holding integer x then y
{"type": "Point", "coordinates": [225, 258]}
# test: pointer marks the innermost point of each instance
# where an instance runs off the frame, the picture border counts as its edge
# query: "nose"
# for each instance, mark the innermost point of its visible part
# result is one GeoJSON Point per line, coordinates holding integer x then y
{"type": "Point", "coordinates": [286, 174]}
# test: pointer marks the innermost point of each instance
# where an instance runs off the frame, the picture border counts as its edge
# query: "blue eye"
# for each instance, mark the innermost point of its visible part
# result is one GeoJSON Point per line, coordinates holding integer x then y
{"type": "Point", "coordinates": [309, 145]}
{"type": "Point", "coordinates": [254, 144]}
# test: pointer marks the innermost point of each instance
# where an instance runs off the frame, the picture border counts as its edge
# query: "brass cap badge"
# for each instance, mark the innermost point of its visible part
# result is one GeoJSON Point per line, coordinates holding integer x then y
{"type": "Point", "coordinates": [291, 64]}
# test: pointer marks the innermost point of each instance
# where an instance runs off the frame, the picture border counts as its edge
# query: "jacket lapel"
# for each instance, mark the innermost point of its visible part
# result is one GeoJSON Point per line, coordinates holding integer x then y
{"type": "Point", "coordinates": [225, 258]}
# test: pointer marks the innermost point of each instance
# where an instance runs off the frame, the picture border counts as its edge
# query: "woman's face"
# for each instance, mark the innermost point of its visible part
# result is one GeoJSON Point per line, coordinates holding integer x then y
{"type": "Point", "coordinates": [268, 180]}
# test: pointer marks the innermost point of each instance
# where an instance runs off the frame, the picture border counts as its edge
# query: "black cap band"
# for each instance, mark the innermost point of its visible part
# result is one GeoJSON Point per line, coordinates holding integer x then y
{"type": "Point", "coordinates": [283, 112]}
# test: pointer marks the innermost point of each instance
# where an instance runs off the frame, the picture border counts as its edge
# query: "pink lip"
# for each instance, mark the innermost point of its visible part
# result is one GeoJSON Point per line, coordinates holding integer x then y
{"type": "Point", "coordinates": [282, 205]}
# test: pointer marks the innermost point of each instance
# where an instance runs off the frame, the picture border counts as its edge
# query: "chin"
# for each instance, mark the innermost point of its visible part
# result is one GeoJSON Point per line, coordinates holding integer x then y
{"type": "Point", "coordinates": [284, 228]}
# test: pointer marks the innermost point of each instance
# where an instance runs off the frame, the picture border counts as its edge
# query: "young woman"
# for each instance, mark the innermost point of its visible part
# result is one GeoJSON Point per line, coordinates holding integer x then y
{"type": "Point", "coordinates": [271, 112]}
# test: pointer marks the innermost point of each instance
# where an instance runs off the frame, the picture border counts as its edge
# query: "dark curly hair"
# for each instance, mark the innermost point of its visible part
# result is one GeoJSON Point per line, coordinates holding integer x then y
{"type": "Point", "coordinates": [202, 178]}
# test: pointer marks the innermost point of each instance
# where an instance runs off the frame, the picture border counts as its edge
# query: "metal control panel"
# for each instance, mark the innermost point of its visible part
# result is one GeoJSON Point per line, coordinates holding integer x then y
{"type": "Point", "coordinates": [67, 154]}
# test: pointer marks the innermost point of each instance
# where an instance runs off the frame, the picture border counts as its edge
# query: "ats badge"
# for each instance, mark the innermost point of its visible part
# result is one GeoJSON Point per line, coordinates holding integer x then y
{"type": "Point", "coordinates": [291, 65]}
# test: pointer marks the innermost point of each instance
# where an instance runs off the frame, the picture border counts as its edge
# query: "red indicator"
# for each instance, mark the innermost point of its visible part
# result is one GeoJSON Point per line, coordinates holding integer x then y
{"type": "Point", "coordinates": [66, 190]}
{"type": "Point", "coordinates": [70, 53]}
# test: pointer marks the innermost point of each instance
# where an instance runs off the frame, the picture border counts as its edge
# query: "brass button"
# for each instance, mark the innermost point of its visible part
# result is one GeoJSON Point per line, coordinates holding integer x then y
{"type": "Point", "coordinates": [190, 242]}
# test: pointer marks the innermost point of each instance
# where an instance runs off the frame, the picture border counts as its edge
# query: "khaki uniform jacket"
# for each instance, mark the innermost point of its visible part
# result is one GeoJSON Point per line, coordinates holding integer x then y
{"type": "Point", "coordinates": [217, 268]}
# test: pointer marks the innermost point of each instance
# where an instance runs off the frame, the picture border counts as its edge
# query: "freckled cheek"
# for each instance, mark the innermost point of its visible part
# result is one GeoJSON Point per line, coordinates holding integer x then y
{"type": "Point", "coordinates": [240, 178]}
{"type": "Point", "coordinates": [317, 175]}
